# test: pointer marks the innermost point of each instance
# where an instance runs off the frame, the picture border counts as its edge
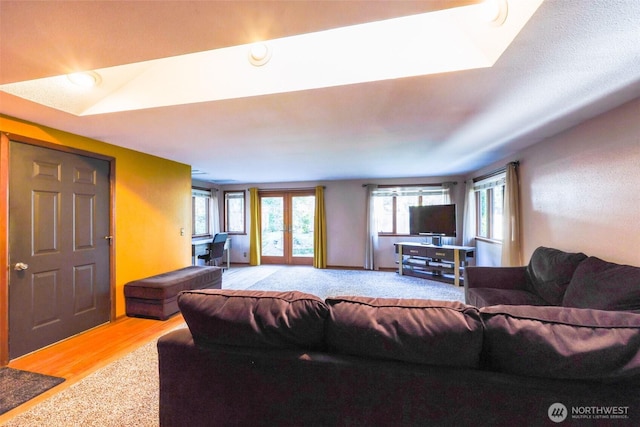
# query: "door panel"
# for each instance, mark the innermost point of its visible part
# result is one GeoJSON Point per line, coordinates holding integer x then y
{"type": "Point", "coordinates": [59, 207]}
{"type": "Point", "coordinates": [46, 206]}
{"type": "Point", "coordinates": [287, 227]}
{"type": "Point", "coordinates": [46, 295]}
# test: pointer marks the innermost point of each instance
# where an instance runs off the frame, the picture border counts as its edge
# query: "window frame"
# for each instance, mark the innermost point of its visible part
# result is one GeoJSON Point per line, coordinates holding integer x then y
{"type": "Point", "coordinates": [226, 211]}
{"type": "Point", "coordinates": [197, 192]}
{"type": "Point", "coordinates": [489, 185]}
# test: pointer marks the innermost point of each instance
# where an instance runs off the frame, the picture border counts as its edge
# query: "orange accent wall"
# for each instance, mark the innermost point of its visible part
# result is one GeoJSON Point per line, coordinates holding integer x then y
{"type": "Point", "coordinates": [152, 203]}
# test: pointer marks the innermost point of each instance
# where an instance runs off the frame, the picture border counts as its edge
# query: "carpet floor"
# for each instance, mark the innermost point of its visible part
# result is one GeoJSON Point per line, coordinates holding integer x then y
{"type": "Point", "coordinates": [20, 386]}
{"type": "Point", "coordinates": [332, 283]}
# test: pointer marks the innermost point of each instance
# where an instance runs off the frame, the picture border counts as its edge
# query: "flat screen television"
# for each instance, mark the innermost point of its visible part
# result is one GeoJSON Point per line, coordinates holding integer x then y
{"type": "Point", "coordinates": [437, 220]}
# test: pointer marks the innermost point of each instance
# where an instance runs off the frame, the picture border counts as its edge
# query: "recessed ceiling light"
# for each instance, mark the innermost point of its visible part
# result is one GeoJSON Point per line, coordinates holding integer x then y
{"type": "Point", "coordinates": [495, 11]}
{"type": "Point", "coordinates": [259, 54]}
{"type": "Point", "coordinates": [85, 78]}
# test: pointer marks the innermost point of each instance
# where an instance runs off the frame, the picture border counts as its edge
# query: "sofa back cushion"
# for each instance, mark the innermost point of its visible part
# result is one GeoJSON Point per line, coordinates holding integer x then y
{"type": "Point", "coordinates": [410, 330]}
{"type": "Point", "coordinates": [549, 272]}
{"type": "Point", "coordinates": [255, 318]}
{"type": "Point", "coordinates": [604, 285]}
{"type": "Point", "coordinates": [560, 342]}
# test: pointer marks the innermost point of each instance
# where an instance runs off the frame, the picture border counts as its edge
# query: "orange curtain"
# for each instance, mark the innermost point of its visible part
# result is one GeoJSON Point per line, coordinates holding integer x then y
{"type": "Point", "coordinates": [320, 231]}
{"type": "Point", "coordinates": [255, 238]}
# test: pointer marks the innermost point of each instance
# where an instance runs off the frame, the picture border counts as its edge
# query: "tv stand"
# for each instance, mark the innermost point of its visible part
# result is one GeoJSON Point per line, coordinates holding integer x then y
{"type": "Point", "coordinates": [442, 263]}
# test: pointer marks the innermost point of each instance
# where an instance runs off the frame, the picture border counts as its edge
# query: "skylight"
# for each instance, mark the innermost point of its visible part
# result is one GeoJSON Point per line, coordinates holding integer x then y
{"type": "Point", "coordinates": [450, 40]}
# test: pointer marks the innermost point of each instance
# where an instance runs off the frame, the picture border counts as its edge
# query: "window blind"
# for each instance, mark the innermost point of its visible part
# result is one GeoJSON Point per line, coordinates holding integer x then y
{"type": "Point", "coordinates": [408, 191]}
{"type": "Point", "coordinates": [490, 182]}
{"type": "Point", "coordinates": [200, 193]}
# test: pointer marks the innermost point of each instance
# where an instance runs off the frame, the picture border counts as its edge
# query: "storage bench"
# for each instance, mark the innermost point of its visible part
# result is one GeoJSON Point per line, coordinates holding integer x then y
{"type": "Point", "coordinates": [156, 296]}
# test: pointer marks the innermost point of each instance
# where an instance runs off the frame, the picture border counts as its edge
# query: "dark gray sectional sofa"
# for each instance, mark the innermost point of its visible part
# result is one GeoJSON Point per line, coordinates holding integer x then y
{"type": "Point", "coordinates": [260, 358]}
{"type": "Point", "coordinates": [556, 278]}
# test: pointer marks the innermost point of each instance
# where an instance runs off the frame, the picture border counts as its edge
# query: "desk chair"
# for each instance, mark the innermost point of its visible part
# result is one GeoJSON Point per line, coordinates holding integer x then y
{"type": "Point", "coordinates": [215, 250]}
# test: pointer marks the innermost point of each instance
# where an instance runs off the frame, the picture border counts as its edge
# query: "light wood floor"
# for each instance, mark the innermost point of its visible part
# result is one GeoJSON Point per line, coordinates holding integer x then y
{"type": "Point", "coordinates": [79, 356]}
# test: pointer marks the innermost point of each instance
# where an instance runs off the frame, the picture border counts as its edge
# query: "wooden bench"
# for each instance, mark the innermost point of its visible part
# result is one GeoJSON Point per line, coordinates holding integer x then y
{"type": "Point", "coordinates": [155, 297]}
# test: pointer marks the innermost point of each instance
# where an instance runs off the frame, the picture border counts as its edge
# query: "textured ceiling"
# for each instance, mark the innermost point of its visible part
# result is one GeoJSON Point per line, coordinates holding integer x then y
{"type": "Point", "coordinates": [569, 63]}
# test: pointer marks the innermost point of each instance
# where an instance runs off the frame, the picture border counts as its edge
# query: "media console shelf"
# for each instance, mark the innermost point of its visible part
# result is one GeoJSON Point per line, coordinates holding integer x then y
{"type": "Point", "coordinates": [443, 263]}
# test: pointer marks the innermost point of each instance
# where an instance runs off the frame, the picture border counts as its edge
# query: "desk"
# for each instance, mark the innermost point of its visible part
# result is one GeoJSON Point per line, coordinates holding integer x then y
{"type": "Point", "coordinates": [443, 263]}
{"type": "Point", "coordinates": [200, 246]}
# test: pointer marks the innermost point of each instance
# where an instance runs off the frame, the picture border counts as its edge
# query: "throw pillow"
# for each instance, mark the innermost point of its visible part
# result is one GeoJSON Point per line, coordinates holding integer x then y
{"type": "Point", "coordinates": [411, 330]}
{"type": "Point", "coordinates": [605, 286]}
{"type": "Point", "coordinates": [549, 272]}
{"type": "Point", "coordinates": [255, 318]}
{"type": "Point", "coordinates": [560, 342]}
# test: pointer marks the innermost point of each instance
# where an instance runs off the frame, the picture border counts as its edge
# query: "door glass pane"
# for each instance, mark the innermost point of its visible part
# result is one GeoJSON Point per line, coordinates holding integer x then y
{"type": "Point", "coordinates": [272, 210]}
{"type": "Point", "coordinates": [302, 218]}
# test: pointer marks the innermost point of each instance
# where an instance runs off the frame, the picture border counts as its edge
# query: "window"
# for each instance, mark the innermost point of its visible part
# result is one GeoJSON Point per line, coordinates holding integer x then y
{"type": "Point", "coordinates": [490, 207]}
{"type": "Point", "coordinates": [234, 212]}
{"type": "Point", "coordinates": [201, 212]}
{"type": "Point", "coordinates": [391, 205]}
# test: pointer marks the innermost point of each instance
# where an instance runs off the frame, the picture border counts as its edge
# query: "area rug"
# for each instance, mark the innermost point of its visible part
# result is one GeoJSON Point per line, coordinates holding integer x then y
{"type": "Point", "coordinates": [330, 283]}
{"type": "Point", "coordinates": [18, 387]}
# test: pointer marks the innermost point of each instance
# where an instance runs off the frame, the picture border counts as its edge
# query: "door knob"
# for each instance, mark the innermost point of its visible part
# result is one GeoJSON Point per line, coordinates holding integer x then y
{"type": "Point", "coordinates": [20, 266]}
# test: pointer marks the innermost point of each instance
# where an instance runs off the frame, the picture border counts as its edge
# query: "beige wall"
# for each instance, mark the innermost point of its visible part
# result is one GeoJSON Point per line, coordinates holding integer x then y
{"type": "Point", "coordinates": [581, 189]}
{"type": "Point", "coordinates": [580, 192]}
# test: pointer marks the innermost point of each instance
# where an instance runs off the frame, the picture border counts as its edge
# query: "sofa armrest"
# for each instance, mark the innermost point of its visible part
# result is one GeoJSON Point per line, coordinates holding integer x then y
{"type": "Point", "coordinates": [495, 277]}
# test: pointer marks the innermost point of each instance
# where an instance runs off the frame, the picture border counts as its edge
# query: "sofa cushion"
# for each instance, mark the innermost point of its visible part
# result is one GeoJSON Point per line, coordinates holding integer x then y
{"type": "Point", "coordinates": [560, 342]}
{"type": "Point", "coordinates": [411, 330]}
{"type": "Point", "coordinates": [604, 285]}
{"type": "Point", "coordinates": [549, 272]}
{"type": "Point", "coordinates": [482, 297]}
{"type": "Point", "coordinates": [255, 318]}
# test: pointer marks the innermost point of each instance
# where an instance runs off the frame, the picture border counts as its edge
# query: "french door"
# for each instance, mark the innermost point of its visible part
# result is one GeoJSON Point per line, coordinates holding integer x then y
{"type": "Point", "coordinates": [287, 227]}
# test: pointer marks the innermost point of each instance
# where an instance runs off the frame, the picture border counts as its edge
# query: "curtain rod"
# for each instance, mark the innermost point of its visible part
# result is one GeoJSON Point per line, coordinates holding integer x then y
{"type": "Point", "coordinates": [412, 185]}
{"type": "Point", "coordinates": [288, 189]}
{"type": "Point", "coordinates": [495, 172]}
{"type": "Point", "coordinates": [197, 187]}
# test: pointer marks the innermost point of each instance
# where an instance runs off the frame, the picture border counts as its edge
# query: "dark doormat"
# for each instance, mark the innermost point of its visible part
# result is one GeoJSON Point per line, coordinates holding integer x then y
{"type": "Point", "coordinates": [19, 386]}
